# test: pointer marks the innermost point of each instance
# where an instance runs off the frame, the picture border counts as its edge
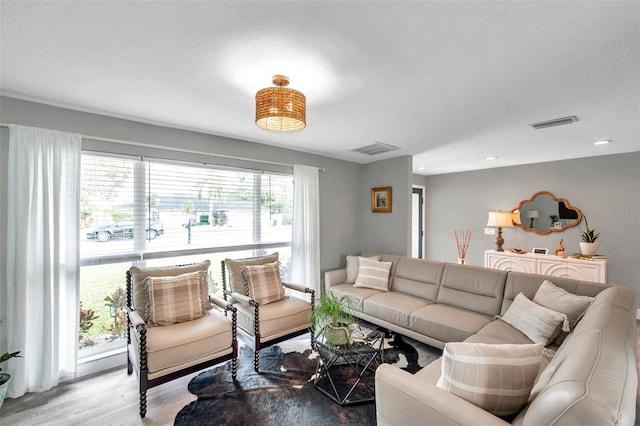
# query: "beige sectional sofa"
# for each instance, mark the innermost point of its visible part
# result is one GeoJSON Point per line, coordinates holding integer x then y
{"type": "Point", "coordinates": [591, 379]}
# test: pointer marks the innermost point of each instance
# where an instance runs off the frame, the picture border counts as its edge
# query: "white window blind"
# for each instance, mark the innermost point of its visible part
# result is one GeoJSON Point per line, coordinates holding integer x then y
{"type": "Point", "coordinates": [134, 209]}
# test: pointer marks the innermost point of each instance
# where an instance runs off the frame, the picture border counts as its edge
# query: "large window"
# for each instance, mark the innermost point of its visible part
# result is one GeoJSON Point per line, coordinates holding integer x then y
{"type": "Point", "coordinates": [151, 212]}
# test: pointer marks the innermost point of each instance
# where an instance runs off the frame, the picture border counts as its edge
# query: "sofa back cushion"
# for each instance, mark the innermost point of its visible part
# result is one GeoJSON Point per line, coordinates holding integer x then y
{"type": "Point", "coordinates": [472, 288]}
{"type": "Point", "coordinates": [418, 277]}
{"type": "Point", "coordinates": [528, 284]}
{"type": "Point", "coordinates": [592, 378]}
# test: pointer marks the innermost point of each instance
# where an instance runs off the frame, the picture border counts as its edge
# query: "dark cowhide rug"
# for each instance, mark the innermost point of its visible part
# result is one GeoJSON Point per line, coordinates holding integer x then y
{"type": "Point", "coordinates": [283, 393]}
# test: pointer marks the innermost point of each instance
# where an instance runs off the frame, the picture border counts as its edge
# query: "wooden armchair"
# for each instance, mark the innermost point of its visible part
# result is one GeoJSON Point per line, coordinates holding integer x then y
{"type": "Point", "coordinates": [163, 342]}
{"type": "Point", "coordinates": [266, 322]}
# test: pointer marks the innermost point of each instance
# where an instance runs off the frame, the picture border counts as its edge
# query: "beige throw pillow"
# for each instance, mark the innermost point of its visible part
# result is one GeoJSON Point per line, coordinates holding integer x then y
{"type": "Point", "coordinates": [138, 274]}
{"type": "Point", "coordinates": [263, 282]}
{"type": "Point", "coordinates": [538, 323]}
{"type": "Point", "coordinates": [496, 378]}
{"type": "Point", "coordinates": [373, 274]}
{"type": "Point", "coordinates": [174, 299]}
{"type": "Point", "coordinates": [553, 297]}
{"type": "Point", "coordinates": [353, 265]}
{"type": "Point", "coordinates": [236, 280]}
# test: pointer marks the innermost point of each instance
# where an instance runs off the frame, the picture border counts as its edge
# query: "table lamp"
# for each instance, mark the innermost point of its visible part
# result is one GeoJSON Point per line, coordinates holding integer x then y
{"type": "Point", "coordinates": [532, 214]}
{"type": "Point", "coordinates": [500, 219]}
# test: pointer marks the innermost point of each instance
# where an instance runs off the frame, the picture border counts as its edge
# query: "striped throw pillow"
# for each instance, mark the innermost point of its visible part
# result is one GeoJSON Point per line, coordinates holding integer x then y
{"type": "Point", "coordinates": [539, 324]}
{"type": "Point", "coordinates": [373, 274]}
{"type": "Point", "coordinates": [263, 282]}
{"type": "Point", "coordinates": [174, 299]}
{"type": "Point", "coordinates": [496, 378]}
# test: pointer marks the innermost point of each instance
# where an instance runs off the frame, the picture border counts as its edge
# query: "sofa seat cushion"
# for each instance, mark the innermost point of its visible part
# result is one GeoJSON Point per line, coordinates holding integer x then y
{"type": "Point", "coordinates": [172, 345]}
{"type": "Point", "coordinates": [276, 319]}
{"type": "Point", "coordinates": [431, 373]}
{"type": "Point", "coordinates": [356, 295]}
{"type": "Point", "coordinates": [447, 323]}
{"type": "Point", "coordinates": [499, 331]}
{"type": "Point", "coordinates": [393, 307]}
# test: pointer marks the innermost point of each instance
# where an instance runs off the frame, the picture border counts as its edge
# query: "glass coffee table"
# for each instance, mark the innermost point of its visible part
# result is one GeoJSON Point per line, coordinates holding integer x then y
{"type": "Point", "coordinates": [346, 373]}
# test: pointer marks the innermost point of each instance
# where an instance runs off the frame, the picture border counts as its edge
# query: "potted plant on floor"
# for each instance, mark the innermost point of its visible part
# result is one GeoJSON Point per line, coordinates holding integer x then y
{"type": "Point", "coordinates": [5, 378]}
{"type": "Point", "coordinates": [331, 317]}
{"type": "Point", "coordinates": [588, 245]}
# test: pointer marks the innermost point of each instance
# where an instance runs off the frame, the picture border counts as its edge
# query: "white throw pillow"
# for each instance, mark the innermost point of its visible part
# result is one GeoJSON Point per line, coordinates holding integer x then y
{"type": "Point", "coordinates": [538, 323]}
{"type": "Point", "coordinates": [553, 297]}
{"type": "Point", "coordinates": [352, 267]}
{"type": "Point", "coordinates": [373, 274]}
{"type": "Point", "coordinates": [496, 378]}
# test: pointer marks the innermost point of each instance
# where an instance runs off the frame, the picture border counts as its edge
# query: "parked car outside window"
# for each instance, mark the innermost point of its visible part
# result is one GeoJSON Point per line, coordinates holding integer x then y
{"type": "Point", "coordinates": [124, 229]}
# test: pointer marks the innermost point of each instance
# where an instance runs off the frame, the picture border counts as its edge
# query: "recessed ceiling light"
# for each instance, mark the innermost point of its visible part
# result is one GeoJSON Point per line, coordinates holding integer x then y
{"type": "Point", "coordinates": [420, 168]}
{"type": "Point", "coordinates": [603, 142]}
{"type": "Point", "coordinates": [491, 158]}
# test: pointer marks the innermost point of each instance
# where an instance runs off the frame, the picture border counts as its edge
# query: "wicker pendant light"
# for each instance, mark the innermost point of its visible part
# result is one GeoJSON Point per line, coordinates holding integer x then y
{"type": "Point", "coordinates": [280, 109]}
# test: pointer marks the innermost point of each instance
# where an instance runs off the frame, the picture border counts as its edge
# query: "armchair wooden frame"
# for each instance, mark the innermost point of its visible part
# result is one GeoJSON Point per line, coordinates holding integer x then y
{"type": "Point", "coordinates": [256, 338]}
{"type": "Point", "coordinates": [134, 320]}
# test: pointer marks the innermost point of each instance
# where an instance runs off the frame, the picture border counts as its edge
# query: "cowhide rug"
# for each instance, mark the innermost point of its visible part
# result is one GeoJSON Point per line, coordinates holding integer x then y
{"type": "Point", "coordinates": [283, 393]}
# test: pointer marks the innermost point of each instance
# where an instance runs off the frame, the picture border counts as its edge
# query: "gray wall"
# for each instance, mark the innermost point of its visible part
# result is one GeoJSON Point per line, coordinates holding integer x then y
{"type": "Point", "coordinates": [605, 188]}
{"type": "Point", "coordinates": [387, 232]}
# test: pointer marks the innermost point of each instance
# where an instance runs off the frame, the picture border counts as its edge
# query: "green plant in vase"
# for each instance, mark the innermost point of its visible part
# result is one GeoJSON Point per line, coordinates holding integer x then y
{"type": "Point", "coordinates": [330, 315]}
{"type": "Point", "coordinates": [4, 377]}
{"type": "Point", "coordinates": [588, 245]}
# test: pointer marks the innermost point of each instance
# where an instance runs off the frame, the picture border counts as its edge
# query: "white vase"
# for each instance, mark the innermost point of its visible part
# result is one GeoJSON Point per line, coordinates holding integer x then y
{"type": "Point", "coordinates": [588, 249]}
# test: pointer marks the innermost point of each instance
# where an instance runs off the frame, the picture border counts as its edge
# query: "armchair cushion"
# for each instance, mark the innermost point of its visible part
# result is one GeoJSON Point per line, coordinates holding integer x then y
{"type": "Point", "coordinates": [236, 280]}
{"type": "Point", "coordinates": [276, 319]}
{"type": "Point", "coordinates": [174, 299]}
{"type": "Point", "coordinates": [263, 282]}
{"type": "Point", "coordinates": [176, 346]}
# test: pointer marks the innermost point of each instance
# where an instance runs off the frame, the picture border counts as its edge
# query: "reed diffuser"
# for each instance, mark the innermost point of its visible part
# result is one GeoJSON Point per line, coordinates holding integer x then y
{"type": "Point", "coordinates": [463, 238]}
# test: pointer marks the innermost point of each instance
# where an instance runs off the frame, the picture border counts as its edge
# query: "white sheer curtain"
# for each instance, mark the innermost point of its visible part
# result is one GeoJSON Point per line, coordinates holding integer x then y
{"type": "Point", "coordinates": [42, 257]}
{"type": "Point", "coordinates": [305, 252]}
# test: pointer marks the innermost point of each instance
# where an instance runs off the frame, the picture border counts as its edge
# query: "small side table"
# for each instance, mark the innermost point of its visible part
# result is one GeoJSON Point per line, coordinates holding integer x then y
{"type": "Point", "coordinates": [346, 373]}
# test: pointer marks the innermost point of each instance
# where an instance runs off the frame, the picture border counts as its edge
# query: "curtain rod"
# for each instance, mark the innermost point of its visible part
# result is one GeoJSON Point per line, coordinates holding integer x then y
{"type": "Point", "coordinates": [188, 151]}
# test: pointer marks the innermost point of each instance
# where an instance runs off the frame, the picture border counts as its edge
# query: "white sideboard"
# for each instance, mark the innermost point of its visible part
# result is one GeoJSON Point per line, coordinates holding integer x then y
{"type": "Point", "coordinates": [579, 269]}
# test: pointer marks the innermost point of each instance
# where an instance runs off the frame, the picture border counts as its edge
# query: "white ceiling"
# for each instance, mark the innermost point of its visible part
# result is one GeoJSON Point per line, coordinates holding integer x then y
{"type": "Point", "coordinates": [450, 83]}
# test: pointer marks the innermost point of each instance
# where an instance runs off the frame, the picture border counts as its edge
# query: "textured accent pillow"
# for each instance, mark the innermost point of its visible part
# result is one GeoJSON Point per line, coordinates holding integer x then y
{"type": "Point", "coordinates": [496, 378]}
{"type": "Point", "coordinates": [263, 282]}
{"type": "Point", "coordinates": [174, 299]}
{"type": "Point", "coordinates": [353, 266]}
{"type": "Point", "coordinates": [538, 323]}
{"type": "Point", "coordinates": [236, 280]}
{"type": "Point", "coordinates": [373, 274]}
{"type": "Point", "coordinates": [553, 297]}
{"type": "Point", "coordinates": [138, 274]}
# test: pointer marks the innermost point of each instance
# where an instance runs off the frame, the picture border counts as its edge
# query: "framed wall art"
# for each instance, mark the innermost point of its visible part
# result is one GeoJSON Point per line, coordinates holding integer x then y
{"type": "Point", "coordinates": [381, 199]}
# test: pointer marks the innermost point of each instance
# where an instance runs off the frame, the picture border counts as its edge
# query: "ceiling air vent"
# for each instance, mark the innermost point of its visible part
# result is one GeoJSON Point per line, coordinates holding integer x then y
{"type": "Point", "coordinates": [555, 122]}
{"type": "Point", "coordinates": [376, 148]}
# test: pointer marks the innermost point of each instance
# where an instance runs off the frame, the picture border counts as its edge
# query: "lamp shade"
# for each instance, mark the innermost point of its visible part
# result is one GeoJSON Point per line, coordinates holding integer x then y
{"type": "Point", "coordinates": [515, 217]}
{"type": "Point", "coordinates": [500, 218]}
{"type": "Point", "coordinates": [280, 109]}
{"type": "Point", "coordinates": [532, 214]}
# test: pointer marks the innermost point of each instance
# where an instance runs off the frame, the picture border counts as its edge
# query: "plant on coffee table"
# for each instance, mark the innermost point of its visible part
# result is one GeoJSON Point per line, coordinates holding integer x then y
{"type": "Point", "coordinates": [330, 315]}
